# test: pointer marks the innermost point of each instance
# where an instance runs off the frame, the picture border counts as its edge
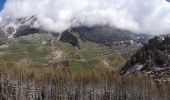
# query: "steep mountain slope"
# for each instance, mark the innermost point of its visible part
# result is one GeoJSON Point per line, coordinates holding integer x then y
{"type": "Point", "coordinates": [101, 34]}
{"type": "Point", "coordinates": [153, 59]}
{"type": "Point", "coordinates": [107, 35]}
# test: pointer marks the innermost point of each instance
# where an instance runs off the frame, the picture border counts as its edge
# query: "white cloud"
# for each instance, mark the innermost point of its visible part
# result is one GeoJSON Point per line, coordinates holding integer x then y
{"type": "Point", "coordinates": [145, 16]}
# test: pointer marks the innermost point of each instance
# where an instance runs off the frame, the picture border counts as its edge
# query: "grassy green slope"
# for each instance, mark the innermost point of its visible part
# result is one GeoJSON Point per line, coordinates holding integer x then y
{"type": "Point", "coordinates": [89, 56]}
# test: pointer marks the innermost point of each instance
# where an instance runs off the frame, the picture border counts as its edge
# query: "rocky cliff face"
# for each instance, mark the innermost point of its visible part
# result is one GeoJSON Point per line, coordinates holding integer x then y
{"type": "Point", "coordinates": [153, 59]}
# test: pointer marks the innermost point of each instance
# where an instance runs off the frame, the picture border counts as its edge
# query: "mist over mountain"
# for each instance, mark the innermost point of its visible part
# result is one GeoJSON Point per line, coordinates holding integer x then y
{"type": "Point", "coordinates": [99, 34]}
{"type": "Point", "coordinates": [142, 16]}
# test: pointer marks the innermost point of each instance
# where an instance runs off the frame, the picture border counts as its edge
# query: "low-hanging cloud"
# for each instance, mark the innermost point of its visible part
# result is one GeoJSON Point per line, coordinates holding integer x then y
{"type": "Point", "coordinates": [140, 16]}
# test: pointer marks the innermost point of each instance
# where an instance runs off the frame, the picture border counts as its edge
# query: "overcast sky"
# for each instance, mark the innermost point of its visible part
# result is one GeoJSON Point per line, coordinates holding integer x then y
{"type": "Point", "coordinates": [140, 16]}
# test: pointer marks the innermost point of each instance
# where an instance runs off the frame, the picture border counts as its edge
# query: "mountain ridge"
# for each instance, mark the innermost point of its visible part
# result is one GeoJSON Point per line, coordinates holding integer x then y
{"type": "Point", "coordinates": [99, 34]}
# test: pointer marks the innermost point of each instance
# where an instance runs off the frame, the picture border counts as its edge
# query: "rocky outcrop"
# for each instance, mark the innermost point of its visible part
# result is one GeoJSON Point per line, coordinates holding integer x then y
{"type": "Point", "coordinates": [152, 59]}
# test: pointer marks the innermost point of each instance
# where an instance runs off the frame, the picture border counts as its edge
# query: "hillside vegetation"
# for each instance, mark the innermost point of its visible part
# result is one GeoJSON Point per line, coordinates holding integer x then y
{"type": "Point", "coordinates": [40, 67]}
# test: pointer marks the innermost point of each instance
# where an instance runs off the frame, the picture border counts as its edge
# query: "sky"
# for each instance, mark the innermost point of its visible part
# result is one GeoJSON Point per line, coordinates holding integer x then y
{"type": "Point", "coordinates": [139, 16]}
{"type": "Point", "coordinates": [1, 4]}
